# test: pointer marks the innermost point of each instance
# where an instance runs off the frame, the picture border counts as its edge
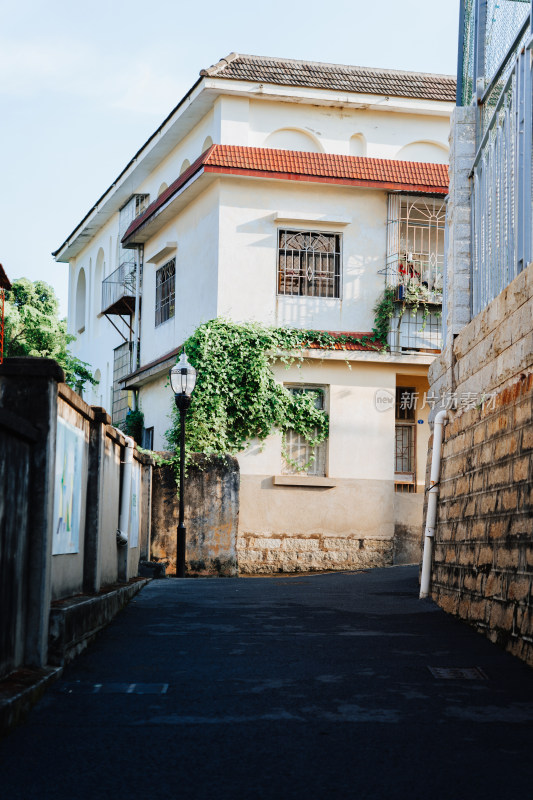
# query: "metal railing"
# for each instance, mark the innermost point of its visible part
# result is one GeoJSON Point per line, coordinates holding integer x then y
{"type": "Point", "coordinates": [495, 72]}
{"type": "Point", "coordinates": [119, 285]}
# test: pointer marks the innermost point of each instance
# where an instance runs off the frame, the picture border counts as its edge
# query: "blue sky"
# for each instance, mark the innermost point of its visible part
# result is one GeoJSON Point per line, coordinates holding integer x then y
{"type": "Point", "coordinates": [82, 86]}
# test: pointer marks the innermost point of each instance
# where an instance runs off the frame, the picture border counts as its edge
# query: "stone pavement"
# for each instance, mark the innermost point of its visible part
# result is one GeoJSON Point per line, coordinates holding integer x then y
{"type": "Point", "coordinates": [285, 687]}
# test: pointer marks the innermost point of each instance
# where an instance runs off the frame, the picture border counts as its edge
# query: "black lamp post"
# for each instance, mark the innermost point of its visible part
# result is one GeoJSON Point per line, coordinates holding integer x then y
{"type": "Point", "coordinates": [183, 381]}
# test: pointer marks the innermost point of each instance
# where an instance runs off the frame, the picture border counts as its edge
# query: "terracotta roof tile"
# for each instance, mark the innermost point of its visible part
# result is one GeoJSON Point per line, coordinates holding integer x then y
{"type": "Point", "coordinates": [339, 77]}
{"type": "Point", "coordinates": [314, 167]}
{"type": "Point", "coordinates": [343, 345]}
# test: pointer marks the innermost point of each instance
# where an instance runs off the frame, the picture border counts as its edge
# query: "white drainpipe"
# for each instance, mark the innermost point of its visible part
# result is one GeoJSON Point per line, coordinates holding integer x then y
{"type": "Point", "coordinates": [431, 513]}
{"type": "Point", "coordinates": [138, 261]}
{"type": "Point", "coordinates": [124, 519]}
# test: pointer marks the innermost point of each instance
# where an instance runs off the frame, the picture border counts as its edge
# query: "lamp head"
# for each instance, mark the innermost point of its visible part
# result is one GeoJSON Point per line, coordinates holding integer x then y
{"type": "Point", "coordinates": [183, 377]}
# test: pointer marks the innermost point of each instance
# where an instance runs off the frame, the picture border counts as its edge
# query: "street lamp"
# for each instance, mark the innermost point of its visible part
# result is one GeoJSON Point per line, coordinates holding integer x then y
{"type": "Point", "coordinates": [182, 380]}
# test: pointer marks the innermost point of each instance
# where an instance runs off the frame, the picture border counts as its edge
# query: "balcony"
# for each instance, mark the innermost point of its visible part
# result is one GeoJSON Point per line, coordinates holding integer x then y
{"type": "Point", "coordinates": [118, 290]}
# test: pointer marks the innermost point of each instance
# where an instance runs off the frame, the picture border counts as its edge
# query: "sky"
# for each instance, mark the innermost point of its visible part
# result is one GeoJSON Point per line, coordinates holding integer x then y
{"type": "Point", "coordinates": [82, 86]}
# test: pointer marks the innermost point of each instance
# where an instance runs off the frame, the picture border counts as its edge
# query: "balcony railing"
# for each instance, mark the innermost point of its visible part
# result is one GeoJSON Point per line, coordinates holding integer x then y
{"type": "Point", "coordinates": [118, 290]}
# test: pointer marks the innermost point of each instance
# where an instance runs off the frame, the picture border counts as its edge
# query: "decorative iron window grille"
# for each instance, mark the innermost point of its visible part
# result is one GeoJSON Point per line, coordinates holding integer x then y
{"type": "Point", "coordinates": [415, 245]}
{"type": "Point", "coordinates": [300, 457]}
{"type": "Point", "coordinates": [405, 438]}
{"type": "Point", "coordinates": [165, 288]}
{"type": "Point", "coordinates": [309, 264]}
{"type": "Point", "coordinates": [414, 271]}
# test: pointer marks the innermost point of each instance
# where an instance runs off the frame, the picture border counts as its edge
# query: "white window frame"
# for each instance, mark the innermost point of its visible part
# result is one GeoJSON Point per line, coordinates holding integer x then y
{"type": "Point", "coordinates": [293, 440]}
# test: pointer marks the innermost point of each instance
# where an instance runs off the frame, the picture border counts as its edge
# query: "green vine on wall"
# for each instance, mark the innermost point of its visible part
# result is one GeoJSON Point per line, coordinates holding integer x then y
{"type": "Point", "coordinates": [237, 398]}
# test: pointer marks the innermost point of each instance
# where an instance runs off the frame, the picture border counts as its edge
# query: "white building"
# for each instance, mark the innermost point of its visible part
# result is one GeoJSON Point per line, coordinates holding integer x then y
{"type": "Point", "coordinates": [262, 162]}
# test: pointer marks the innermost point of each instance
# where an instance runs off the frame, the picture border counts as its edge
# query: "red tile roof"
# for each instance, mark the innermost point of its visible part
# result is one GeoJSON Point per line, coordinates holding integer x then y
{"type": "Point", "coordinates": [342, 344]}
{"type": "Point", "coordinates": [379, 173]}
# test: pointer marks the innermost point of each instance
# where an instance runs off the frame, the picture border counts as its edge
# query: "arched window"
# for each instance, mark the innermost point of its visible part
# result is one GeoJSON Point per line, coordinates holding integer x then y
{"type": "Point", "coordinates": [81, 297]}
{"type": "Point", "coordinates": [431, 152]}
{"type": "Point", "coordinates": [186, 164]}
{"type": "Point", "coordinates": [207, 144]}
{"type": "Point", "coordinates": [358, 145]}
{"type": "Point", "coordinates": [293, 139]}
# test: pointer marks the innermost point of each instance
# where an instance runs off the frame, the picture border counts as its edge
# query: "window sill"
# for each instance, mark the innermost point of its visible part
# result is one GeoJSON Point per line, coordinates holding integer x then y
{"type": "Point", "coordinates": [303, 480]}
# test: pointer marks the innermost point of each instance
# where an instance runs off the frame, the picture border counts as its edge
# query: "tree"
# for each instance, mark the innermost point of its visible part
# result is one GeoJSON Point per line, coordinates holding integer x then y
{"type": "Point", "coordinates": [33, 328]}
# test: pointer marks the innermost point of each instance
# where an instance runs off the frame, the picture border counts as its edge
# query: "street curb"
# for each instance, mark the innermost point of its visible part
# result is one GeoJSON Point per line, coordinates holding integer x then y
{"type": "Point", "coordinates": [20, 691]}
{"type": "Point", "coordinates": [76, 621]}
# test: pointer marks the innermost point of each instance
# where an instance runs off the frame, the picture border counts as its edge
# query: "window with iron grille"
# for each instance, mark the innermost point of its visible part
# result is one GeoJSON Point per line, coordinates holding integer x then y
{"type": "Point", "coordinates": [299, 457]}
{"type": "Point", "coordinates": [405, 437]}
{"type": "Point", "coordinates": [309, 263]}
{"type": "Point", "coordinates": [165, 287]}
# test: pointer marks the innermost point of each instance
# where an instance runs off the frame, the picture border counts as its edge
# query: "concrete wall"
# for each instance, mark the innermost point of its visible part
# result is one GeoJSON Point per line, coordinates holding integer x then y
{"type": "Point", "coordinates": [483, 564]}
{"type": "Point", "coordinates": [16, 445]}
{"type": "Point", "coordinates": [57, 541]}
{"type": "Point", "coordinates": [211, 515]}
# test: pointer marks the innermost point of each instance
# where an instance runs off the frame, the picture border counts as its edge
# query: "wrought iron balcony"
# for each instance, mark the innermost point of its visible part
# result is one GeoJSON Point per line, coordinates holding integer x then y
{"type": "Point", "coordinates": [118, 290]}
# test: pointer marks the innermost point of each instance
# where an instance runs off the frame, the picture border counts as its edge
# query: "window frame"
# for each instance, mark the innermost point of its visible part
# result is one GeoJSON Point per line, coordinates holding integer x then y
{"type": "Point", "coordinates": [286, 470]}
{"type": "Point", "coordinates": [405, 419]}
{"type": "Point", "coordinates": [338, 262]}
{"type": "Point", "coordinates": [170, 298]}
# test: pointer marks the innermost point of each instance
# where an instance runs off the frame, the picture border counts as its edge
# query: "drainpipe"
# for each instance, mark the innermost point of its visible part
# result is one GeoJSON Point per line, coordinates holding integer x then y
{"type": "Point", "coordinates": [124, 519]}
{"type": "Point", "coordinates": [137, 313]}
{"type": "Point", "coordinates": [431, 513]}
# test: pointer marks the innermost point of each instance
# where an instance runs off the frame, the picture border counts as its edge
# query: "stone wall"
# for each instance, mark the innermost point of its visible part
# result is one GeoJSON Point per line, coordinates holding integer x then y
{"type": "Point", "coordinates": [211, 515]}
{"type": "Point", "coordinates": [316, 552]}
{"type": "Point", "coordinates": [483, 558]}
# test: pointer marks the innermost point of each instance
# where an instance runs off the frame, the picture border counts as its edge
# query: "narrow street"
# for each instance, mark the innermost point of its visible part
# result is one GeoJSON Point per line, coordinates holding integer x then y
{"type": "Point", "coordinates": [285, 687]}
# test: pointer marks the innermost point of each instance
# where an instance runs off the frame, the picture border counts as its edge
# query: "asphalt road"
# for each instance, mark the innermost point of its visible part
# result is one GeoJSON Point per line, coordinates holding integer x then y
{"type": "Point", "coordinates": [286, 687]}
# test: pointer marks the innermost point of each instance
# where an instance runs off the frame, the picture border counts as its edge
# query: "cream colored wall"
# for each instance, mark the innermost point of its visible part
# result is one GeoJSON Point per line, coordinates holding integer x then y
{"type": "Point", "coordinates": [95, 345]}
{"type": "Point", "coordinates": [156, 400]}
{"type": "Point", "coordinates": [361, 438]}
{"type": "Point", "coordinates": [190, 147]}
{"type": "Point", "coordinates": [110, 511]}
{"type": "Point", "coordinates": [231, 118]}
{"type": "Point", "coordinates": [385, 132]}
{"type": "Point", "coordinates": [248, 252]}
{"type": "Point", "coordinates": [196, 232]}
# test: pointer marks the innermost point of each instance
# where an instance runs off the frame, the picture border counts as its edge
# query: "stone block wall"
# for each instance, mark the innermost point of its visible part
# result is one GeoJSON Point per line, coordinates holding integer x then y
{"type": "Point", "coordinates": [316, 552]}
{"type": "Point", "coordinates": [483, 557]}
{"type": "Point", "coordinates": [211, 515]}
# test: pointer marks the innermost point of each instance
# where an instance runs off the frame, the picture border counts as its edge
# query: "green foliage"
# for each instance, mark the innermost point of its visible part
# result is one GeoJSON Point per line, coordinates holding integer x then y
{"type": "Point", "coordinates": [384, 312]}
{"type": "Point", "coordinates": [33, 328]}
{"type": "Point", "coordinates": [134, 424]}
{"type": "Point", "coordinates": [237, 398]}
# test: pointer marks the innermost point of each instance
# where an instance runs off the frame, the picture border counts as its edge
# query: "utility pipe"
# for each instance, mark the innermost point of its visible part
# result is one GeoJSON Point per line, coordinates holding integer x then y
{"type": "Point", "coordinates": [136, 332]}
{"type": "Point", "coordinates": [124, 519]}
{"type": "Point", "coordinates": [431, 513]}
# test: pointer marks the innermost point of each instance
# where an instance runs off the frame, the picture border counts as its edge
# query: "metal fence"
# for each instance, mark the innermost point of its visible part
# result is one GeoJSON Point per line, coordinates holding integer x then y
{"type": "Point", "coordinates": [495, 71]}
{"type": "Point", "coordinates": [119, 285]}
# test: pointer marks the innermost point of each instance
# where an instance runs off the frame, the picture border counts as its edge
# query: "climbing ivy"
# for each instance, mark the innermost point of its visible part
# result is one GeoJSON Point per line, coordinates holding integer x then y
{"type": "Point", "coordinates": [237, 398]}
